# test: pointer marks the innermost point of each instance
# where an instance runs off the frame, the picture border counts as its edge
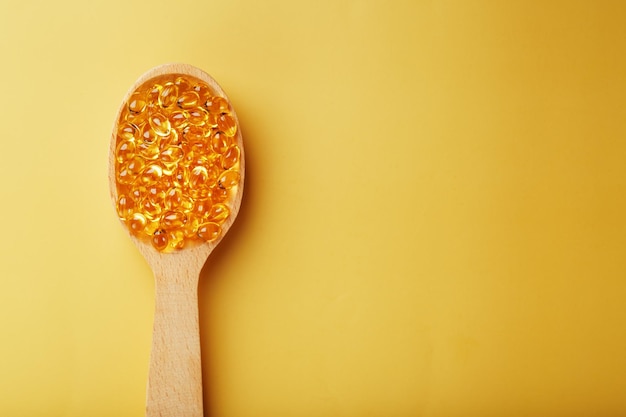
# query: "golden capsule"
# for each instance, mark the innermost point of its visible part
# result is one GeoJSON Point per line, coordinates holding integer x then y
{"type": "Point", "coordinates": [152, 96]}
{"type": "Point", "coordinates": [230, 157]}
{"type": "Point", "coordinates": [227, 124]}
{"type": "Point", "coordinates": [181, 176]}
{"type": "Point", "coordinates": [202, 208]}
{"type": "Point", "coordinates": [176, 239]}
{"type": "Point", "coordinates": [173, 198]}
{"type": "Point", "coordinates": [147, 134]}
{"type": "Point", "coordinates": [136, 103]}
{"type": "Point", "coordinates": [125, 150]}
{"type": "Point", "coordinates": [174, 219]}
{"type": "Point", "coordinates": [195, 134]}
{"type": "Point", "coordinates": [204, 92]}
{"type": "Point", "coordinates": [220, 142]}
{"type": "Point", "coordinates": [156, 193]}
{"type": "Point", "coordinates": [219, 195]}
{"type": "Point", "coordinates": [135, 165]}
{"type": "Point", "coordinates": [148, 150]}
{"type": "Point", "coordinates": [198, 116]}
{"type": "Point", "coordinates": [178, 119]}
{"type": "Point", "coordinates": [159, 124]}
{"type": "Point", "coordinates": [217, 105]}
{"type": "Point", "coordinates": [137, 223]}
{"type": "Point", "coordinates": [127, 131]}
{"type": "Point", "coordinates": [188, 100]}
{"type": "Point", "coordinates": [124, 206]}
{"type": "Point", "coordinates": [209, 231]}
{"type": "Point", "coordinates": [229, 179]}
{"type": "Point", "coordinates": [190, 229]}
{"type": "Point", "coordinates": [183, 84]}
{"type": "Point", "coordinates": [219, 213]}
{"type": "Point", "coordinates": [151, 174]}
{"type": "Point", "coordinates": [138, 193]}
{"type": "Point", "coordinates": [168, 95]}
{"type": "Point", "coordinates": [150, 209]}
{"type": "Point", "coordinates": [160, 240]}
{"type": "Point", "coordinates": [124, 176]}
{"type": "Point", "coordinates": [171, 155]}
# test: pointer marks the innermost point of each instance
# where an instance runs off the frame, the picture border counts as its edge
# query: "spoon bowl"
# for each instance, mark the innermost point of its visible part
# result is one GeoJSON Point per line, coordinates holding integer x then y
{"type": "Point", "coordinates": [174, 386]}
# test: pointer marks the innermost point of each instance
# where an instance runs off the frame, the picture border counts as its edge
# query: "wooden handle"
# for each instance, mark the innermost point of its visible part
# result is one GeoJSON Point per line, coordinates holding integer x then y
{"type": "Point", "coordinates": [175, 377]}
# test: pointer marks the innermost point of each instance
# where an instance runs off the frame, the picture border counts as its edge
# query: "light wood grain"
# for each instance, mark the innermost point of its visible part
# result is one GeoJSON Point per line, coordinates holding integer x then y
{"type": "Point", "coordinates": [174, 386]}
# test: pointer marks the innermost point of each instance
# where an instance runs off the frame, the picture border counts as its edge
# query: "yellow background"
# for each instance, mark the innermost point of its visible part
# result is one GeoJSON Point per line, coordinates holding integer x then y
{"type": "Point", "coordinates": [433, 221]}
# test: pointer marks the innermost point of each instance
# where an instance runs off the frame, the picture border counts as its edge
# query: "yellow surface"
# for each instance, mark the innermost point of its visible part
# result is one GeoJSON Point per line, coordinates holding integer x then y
{"type": "Point", "coordinates": [433, 225]}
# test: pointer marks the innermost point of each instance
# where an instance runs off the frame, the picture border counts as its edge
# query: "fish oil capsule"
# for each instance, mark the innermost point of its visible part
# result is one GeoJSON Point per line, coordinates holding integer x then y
{"type": "Point", "coordinates": [174, 219]}
{"type": "Point", "coordinates": [188, 100]}
{"type": "Point", "coordinates": [160, 240]}
{"type": "Point", "coordinates": [136, 103]}
{"type": "Point", "coordinates": [125, 150]}
{"type": "Point", "coordinates": [168, 95]}
{"type": "Point", "coordinates": [151, 174]}
{"type": "Point", "coordinates": [176, 239]}
{"type": "Point", "coordinates": [135, 165]}
{"type": "Point", "coordinates": [148, 150]}
{"type": "Point", "coordinates": [124, 176]}
{"type": "Point", "coordinates": [159, 124]}
{"type": "Point", "coordinates": [178, 119]}
{"type": "Point", "coordinates": [183, 84]}
{"type": "Point", "coordinates": [217, 105]}
{"type": "Point", "coordinates": [195, 134]}
{"type": "Point", "coordinates": [226, 123]}
{"type": "Point", "coordinates": [198, 116]}
{"type": "Point", "coordinates": [173, 198]}
{"type": "Point", "coordinates": [219, 195]}
{"type": "Point", "coordinates": [220, 142]}
{"type": "Point", "coordinates": [209, 231]}
{"type": "Point", "coordinates": [125, 207]}
{"type": "Point", "coordinates": [219, 213]}
{"type": "Point", "coordinates": [127, 131]}
{"type": "Point", "coordinates": [190, 229]}
{"type": "Point", "coordinates": [150, 209]}
{"type": "Point", "coordinates": [171, 155]}
{"type": "Point", "coordinates": [147, 134]}
{"type": "Point", "coordinates": [152, 96]}
{"type": "Point", "coordinates": [137, 223]}
{"type": "Point", "coordinates": [156, 193]}
{"type": "Point", "coordinates": [230, 157]}
{"type": "Point", "coordinates": [229, 179]}
{"type": "Point", "coordinates": [202, 208]}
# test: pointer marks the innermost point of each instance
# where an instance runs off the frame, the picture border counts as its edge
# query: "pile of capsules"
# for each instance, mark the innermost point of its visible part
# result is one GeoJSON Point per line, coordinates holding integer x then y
{"type": "Point", "coordinates": [177, 162]}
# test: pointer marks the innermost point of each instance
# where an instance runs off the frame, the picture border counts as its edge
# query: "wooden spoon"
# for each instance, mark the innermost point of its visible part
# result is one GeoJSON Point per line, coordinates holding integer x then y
{"type": "Point", "coordinates": [175, 377]}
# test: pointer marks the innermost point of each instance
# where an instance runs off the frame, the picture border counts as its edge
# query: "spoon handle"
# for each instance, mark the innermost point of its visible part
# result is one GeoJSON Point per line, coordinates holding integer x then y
{"type": "Point", "coordinates": [175, 376]}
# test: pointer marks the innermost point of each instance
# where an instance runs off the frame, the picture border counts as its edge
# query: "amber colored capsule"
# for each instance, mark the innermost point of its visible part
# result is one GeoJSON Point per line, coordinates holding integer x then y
{"type": "Point", "coordinates": [227, 124]}
{"type": "Point", "coordinates": [202, 208]}
{"type": "Point", "coordinates": [150, 209]}
{"type": "Point", "coordinates": [171, 155]}
{"type": "Point", "coordinates": [219, 213]}
{"type": "Point", "coordinates": [229, 179]}
{"type": "Point", "coordinates": [176, 239]}
{"type": "Point", "coordinates": [138, 193]}
{"type": "Point", "coordinates": [230, 157]}
{"type": "Point", "coordinates": [220, 142]}
{"type": "Point", "coordinates": [181, 176]}
{"type": "Point", "coordinates": [178, 119]}
{"type": "Point", "coordinates": [198, 116]}
{"type": "Point", "coordinates": [190, 229]}
{"type": "Point", "coordinates": [125, 150]}
{"type": "Point", "coordinates": [160, 240]}
{"type": "Point", "coordinates": [209, 231]}
{"type": "Point", "coordinates": [188, 100]}
{"type": "Point", "coordinates": [183, 84]}
{"type": "Point", "coordinates": [152, 96]}
{"type": "Point", "coordinates": [159, 124]}
{"type": "Point", "coordinates": [204, 92]}
{"type": "Point", "coordinates": [124, 176]}
{"type": "Point", "coordinates": [195, 134]}
{"type": "Point", "coordinates": [217, 105]}
{"type": "Point", "coordinates": [137, 223]}
{"type": "Point", "coordinates": [173, 198]}
{"type": "Point", "coordinates": [168, 95]}
{"type": "Point", "coordinates": [156, 193]}
{"type": "Point", "coordinates": [174, 219]}
{"type": "Point", "coordinates": [125, 206]}
{"type": "Point", "coordinates": [219, 195]}
{"type": "Point", "coordinates": [135, 165]}
{"type": "Point", "coordinates": [136, 103]}
{"type": "Point", "coordinates": [148, 150]}
{"type": "Point", "coordinates": [127, 131]}
{"type": "Point", "coordinates": [147, 134]}
{"type": "Point", "coordinates": [151, 174]}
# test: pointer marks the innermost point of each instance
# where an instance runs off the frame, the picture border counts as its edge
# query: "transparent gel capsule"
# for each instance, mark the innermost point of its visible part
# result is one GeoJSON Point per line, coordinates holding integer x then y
{"type": "Point", "coordinates": [174, 219]}
{"type": "Point", "coordinates": [148, 150]}
{"type": "Point", "coordinates": [178, 119]}
{"type": "Point", "coordinates": [170, 140]}
{"type": "Point", "coordinates": [183, 84]}
{"type": "Point", "coordinates": [226, 123]}
{"type": "Point", "coordinates": [229, 179]}
{"type": "Point", "coordinates": [173, 198]}
{"type": "Point", "coordinates": [168, 95]}
{"type": "Point", "coordinates": [209, 231]}
{"type": "Point", "coordinates": [171, 155]}
{"type": "Point", "coordinates": [125, 150]}
{"type": "Point", "coordinates": [219, 195]}
{"type": "Point", "coordinates": [198, 116]}
{"type": "Point", "coordinates": [151, 174]}
{"type": "Point", "coordinates": [219, 213]}
{"type": "Point", "coordinates": [217, 105]}
{"type": "Point", "coordinates": [147, 134]}
{"type": "Point", "coordinates": [195, 134]}
{"type": "Point", "coordinates": [137, 223]}
{"type": "Point", "coordinates": [230, 157]}
{"type": "Point", "coordinates": [136, 103]}
{"type": "Point", "coordinates": [125, 207]}
{"type": "Point", "coordinates": [124, 176]}
{"type": "Point", "coordinates": [181, 176]}
{"type": "Point", "coordinates": [176, 239]}
{"type": "Point", "coordinates": [188, 100]}
{"type": "Point", "coordinates": [190, 230]}
{"type": "Point", "coordinates": [160, 240]}
{"type": "Point", "coordinates": [135, 165]}
{"type": "Point", "coordinates": [156, 193]}
{"type": "Point", "coordinates": [220, 142]}
{"type": "Point", "coordinates": [160, 124]}
{"type": "Point", "coordinates": [150, 209]}
{"type": "Point", "coordinates": [204, 92]}
{"type": "Point", "coordinates": [152, 96]}
{"type": "Point", "coordinates": [127, 131]}
{"type": "Point", "coordinates": [202, 208]}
